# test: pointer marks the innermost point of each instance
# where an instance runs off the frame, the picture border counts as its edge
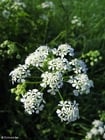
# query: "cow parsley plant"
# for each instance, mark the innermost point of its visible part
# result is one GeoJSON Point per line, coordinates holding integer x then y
{"type": "Point", "coordinates": [48, 71]}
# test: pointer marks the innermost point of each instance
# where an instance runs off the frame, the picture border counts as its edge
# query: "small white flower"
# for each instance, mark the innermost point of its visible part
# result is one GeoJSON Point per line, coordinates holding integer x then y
{"type": "Point", "coordinates": [19, 74]}
{"type": "Point", "coordinates": [100, 130]}
{"type": "Point", "coordinates": [104, 136]}
{"type": "Point", "coordinates": [59, 64]}
{"type": "Point", "coordinates": [52, 91]}
{"type": "Point", "coordinates": [89, 135]}
{"type": "Point", "coordinates": [78, 66]}
{"type": "Point", "coordinates": [75, 92]}
{"type": "Point", "coordinates": [54, 51]}
{"type": "Point", "coordinates": [63, 50]}
{"type": "Point", "coordinates": [43, 49]}
{"type": "Point", "coordinates": [38, 57]}
{"type": "Point", "coordinates": [94, 131]}
{"type": "Point", "coordinates": [97, 123]}
{"type": "Point", "coordinates": [47, 4]}
{"type": "Point", "coordinates": [68, 111]}
{"type": "Point", "coordinates": [33, 101]}
{"type": "Point", "coordinates": [53, 80]}
{"type": "Point", "coordinates": [6, 14]}
{"type": "Point", "coordinates": [76, 21]}
{"type": "Point", "coordinates": [17, 5]}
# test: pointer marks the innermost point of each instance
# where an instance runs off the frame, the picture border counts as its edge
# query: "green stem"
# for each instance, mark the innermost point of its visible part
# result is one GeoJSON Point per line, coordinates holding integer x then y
{"type": "Point", "coordinates": [29, 82]}
{"type": "Point", "coordinates": [42, 89]}
{"type": "Point", "coordinates": [65, 78]}
{"type": "Point", "coordinates": [46, 28]}
{"type": "Point", "coordinates": [60, 95]}
{"type": "Point", "coordinates": [40, 69]}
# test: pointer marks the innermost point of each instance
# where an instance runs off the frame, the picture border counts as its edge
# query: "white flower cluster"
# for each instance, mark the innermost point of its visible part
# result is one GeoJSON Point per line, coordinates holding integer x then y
{"type": "Point", "coordinates": [19, 74]}
{"type": "Point", "coordinates": [47, 4]}
{"type": "Point", "coordinates": [97, 131]}
{"type": "Point", "coordinates": [63, 50]}
{"type": "Point", "coordinates": [33, 101]}
{"type": "Point", "coordinates": [11, 6]}
{"type": "Point", "coordinates": [18, 5]}
{"type": "Point", "coordinates": [57, 66]}
{"type": "Point", "coordinates": [68, 111]}
{"type": "Point", "coordinates": [38, 57]}
{"type": "Point", "coordinates": [78, 66]}
{"type": "Point", "coordinates": [53, 80]}
{"type": "Point", "coordinates": [76, 21]}
{"type": "Point", "coordinates": [6, 13]}
{"type": "Point", "coordinates": [81, 83]}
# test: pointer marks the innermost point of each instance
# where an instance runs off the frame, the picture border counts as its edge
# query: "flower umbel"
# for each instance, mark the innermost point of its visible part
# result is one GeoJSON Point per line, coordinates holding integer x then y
{"type": "Point", "coordinates": [78, 66]}
{"type": "Point", "coordinates": [33, 101]}
{"type": "Point", "coordinates": [37, 58]}
{"type": "Point", "coordinates": [59, 64]}
{"type": "Point", "coordinates": [51, 71]}
{"type": "Point", "coordinates": [63, 50]}
{"type": "Point", "coordinates": [81, 83]}
{"type": "Point", "coordinates": [68, 111]}
{"type": "Point", "coordinates": [19, 74]}
{"type": "Point", "coordinates": [53, 80]}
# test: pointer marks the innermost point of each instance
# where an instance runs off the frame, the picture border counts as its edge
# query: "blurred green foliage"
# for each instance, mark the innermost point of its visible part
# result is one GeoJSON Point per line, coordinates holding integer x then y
{"type": "Point", "coordinates": [92, 57]}
{"type": "Point", "coordinates": [25, 27]}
